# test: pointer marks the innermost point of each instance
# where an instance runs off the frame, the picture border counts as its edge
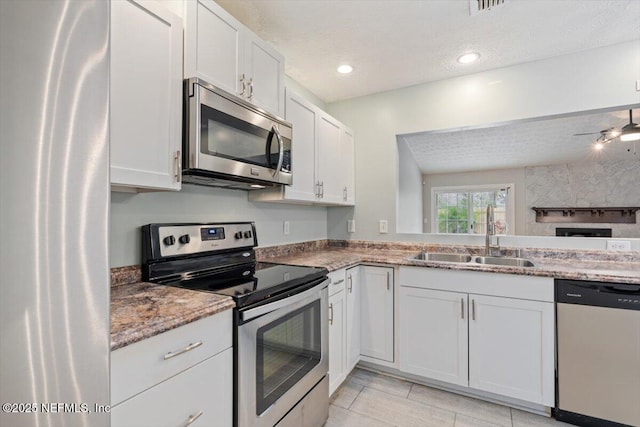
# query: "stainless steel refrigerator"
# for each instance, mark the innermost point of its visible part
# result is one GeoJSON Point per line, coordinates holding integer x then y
{"type": "Point", "coordinates": [54, 206]}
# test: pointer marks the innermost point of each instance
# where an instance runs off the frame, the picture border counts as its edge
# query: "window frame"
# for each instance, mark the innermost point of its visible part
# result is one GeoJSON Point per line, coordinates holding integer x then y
{"type": "Point", "coordinates": [510, 206]}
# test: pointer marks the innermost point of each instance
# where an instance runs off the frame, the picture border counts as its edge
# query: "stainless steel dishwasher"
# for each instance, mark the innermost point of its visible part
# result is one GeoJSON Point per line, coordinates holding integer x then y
{"type": "Point", "coordinates": [598, 353]}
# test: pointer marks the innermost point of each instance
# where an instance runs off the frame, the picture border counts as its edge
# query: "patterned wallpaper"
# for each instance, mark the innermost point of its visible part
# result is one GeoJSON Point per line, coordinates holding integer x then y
{"type": "Point", "coordinates": [607, 183]}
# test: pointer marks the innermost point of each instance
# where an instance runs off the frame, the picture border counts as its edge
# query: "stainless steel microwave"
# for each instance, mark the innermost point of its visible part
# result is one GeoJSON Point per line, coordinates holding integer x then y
{"type": "Point", "coordinates": [230, 143]}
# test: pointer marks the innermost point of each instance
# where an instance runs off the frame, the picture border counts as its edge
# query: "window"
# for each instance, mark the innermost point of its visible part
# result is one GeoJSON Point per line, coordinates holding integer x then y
{"type": "Point", "coordinates": [464, 209]}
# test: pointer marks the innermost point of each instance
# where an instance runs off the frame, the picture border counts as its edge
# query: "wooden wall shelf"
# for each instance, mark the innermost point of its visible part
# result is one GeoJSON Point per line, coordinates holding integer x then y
{"type": "Point", "coordinates": [587, 215]}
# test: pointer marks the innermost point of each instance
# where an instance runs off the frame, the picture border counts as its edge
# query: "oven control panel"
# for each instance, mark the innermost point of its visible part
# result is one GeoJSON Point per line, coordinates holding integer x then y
{"type": "Point", "coordinates": [168, 240]}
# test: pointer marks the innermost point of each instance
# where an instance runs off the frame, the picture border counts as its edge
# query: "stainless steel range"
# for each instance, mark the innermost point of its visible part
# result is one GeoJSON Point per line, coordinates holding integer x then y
{"type": "Point", "coordinates": [280, 320]}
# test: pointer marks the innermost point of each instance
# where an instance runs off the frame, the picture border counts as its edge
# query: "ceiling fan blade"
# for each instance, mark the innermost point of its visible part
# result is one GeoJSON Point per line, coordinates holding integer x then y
{"type": "Point", "coordinates": [590, 133]}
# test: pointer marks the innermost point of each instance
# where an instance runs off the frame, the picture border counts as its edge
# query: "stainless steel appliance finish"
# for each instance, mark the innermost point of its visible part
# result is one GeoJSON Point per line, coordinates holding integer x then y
{"type": "Point", "coordinates": [280, 320]}
{"type": "Point", "coordinates": [285, 357]}
{"type": "Point", "coordinates": [598, 353]}
{"type": "Point", "coordinates": [54, 198]}
{"type": "Point", "coordinates": [230, 143]}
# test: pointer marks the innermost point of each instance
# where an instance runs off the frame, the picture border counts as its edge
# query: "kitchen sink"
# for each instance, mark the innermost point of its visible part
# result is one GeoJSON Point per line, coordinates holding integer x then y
{"type": "Point", "coordinates": [513, 262]}
{"type": "Point", "coordinates": [440, 257]}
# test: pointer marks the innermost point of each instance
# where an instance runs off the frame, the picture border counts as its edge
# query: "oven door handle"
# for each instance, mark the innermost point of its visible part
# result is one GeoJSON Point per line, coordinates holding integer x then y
{"type": "Point", "coordinates": [268, 308]}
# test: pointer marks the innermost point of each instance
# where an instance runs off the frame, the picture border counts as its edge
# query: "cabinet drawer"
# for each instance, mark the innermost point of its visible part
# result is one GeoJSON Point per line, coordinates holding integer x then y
{"type": "Point", "coordinates": [144, 364]}
{"type": "Point", "coordinates": [205, 389]}
{"type": "Point", "coordinates": [477, 282]}
{"type": "Point", "coordinates": [336, 281]}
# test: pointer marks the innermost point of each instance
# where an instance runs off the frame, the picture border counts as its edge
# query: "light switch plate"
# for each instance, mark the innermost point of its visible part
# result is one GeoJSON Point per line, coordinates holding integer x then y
{"type": "Point", "coordinates": [351, 226]}
{"type": "Point", "coordinates": [618, 245]}
{"type": "Point", "coordinates": [383, 226]}
{"type": "Point", "coordinates": [286, 228]}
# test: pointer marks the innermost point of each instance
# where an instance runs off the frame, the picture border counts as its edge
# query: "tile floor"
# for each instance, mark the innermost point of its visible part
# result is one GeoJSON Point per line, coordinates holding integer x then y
{"type": "Point", "coordinates": [368, 399]}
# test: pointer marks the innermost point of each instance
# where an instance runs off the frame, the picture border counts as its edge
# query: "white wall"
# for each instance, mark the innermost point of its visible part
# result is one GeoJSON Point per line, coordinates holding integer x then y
{"type": "Point", "coordinates": [499, 176]}
{"type": "Point", "coordinates": [588, 80]}
{"type": "Point", "coordinates": [206, 204]}
{"type": "Point", "coordinates": [410, 198]}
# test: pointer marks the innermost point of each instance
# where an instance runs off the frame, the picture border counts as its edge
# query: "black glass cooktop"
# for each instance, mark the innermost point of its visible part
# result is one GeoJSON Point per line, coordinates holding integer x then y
{"type": "Point", "coordinates": [252, 283]}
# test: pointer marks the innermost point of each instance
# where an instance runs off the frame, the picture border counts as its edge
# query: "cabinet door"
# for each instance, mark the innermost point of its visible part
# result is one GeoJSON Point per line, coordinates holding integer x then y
{"type": "Point", "coordinates": [433, 334]}
{"type": "Point", "coordinates": [264, 69]}
{"type": "Point", "coordinates": [203, 392]}
{"type": "Point", "coordinates": [303, 117]}
{"type": "Point", "coordinates": [511, 348]}
{"type": "Point", "coordinates": [347, 147]}
{"type": "Point", "coordinates": [214, 46]}
{"type": "Point", "coordinates": [146, 89]}
{"type": "Point", "coordinates": [329, 159]}
{"type": "Point", "coordinates": [376, 313]}
{"type": "Point", "coordinates": [353, 318]}
{"type": "Point", "coordinates": [337, 339]}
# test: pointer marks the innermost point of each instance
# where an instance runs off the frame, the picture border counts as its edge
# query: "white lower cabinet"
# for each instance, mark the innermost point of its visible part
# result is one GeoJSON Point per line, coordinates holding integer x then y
{"type": "Point", "coordinates": [200, 396]}
{"type": "Point", "coordinates": [511, 348]}
{"type": "Point", "coordinates": [337, 340]}
{"type": "Point", "coordinates": [180, 377]}
{"type": "Point", "coordinates": [433, 334]}
{"type": "Point", "coordinates": [499, 344]}
{"type": "Point", "coordinates": [376, 313]}
{"type": "Point", "coordinates": [344, 324]}
{"type": "Point", "coordinates": [353, 318]}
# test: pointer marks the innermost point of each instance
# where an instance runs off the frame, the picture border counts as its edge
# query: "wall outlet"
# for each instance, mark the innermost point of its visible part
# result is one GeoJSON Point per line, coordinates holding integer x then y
{"type": "Point", "coordinates": [286, 228]}
{"type": "Point", "coordinates": [618, 245]}
{"type": "Point", "coordinates": [638, 85]}
{"type": "Point", "coordinates": [351, 226]}
{"type": "Point", "coordinates": [383, 226]}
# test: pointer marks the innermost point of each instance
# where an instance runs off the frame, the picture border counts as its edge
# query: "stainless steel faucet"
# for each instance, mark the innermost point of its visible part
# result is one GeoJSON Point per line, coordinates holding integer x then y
{"type": "Point", "coordinates": [491, 231]}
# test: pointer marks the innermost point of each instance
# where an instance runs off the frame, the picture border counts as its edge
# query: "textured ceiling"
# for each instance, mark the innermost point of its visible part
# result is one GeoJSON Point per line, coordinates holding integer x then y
{"type": "Point", "coordinates": [519, 144]}
{"type": "Point", "coordinates": [398, 43]}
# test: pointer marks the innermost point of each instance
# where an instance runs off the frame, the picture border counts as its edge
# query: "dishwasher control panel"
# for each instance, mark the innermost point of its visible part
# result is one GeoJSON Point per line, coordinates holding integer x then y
{"type": "Point", "coordinates": [600, 294]}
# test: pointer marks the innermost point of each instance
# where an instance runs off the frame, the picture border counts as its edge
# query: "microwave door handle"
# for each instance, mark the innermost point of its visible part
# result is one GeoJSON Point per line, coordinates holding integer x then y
{"type": "Point", "coordinates": [280, 149]}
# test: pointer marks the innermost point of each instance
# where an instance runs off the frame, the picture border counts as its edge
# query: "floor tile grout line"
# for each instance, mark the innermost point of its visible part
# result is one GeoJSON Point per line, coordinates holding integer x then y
{"type": "Point", "coordinates": [355, 398]}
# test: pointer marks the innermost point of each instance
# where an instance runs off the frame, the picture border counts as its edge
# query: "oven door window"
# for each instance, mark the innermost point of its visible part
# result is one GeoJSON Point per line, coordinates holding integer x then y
{"type": "Point", "coordinates": [287, 349]}
{"type": "Point", "coordinates": [227, 136]}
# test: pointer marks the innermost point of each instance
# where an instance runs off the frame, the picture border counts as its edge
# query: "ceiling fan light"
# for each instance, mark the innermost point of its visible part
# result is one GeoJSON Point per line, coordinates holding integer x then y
{"type": "Point", "coordinates": [630, 132]}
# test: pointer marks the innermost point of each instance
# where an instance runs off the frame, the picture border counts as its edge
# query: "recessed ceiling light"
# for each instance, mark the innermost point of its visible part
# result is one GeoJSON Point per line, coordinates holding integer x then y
{"type": "Point", "coordinates": [468, 58]}
{"type": "Point", "coordinates": [345, 69]}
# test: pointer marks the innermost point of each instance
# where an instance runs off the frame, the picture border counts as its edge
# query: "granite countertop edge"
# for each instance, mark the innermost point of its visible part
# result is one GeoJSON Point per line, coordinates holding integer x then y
{"type": "Point", "coordinates": [142, 310]}
{"type": "Point", "coordinates": [335, 259]}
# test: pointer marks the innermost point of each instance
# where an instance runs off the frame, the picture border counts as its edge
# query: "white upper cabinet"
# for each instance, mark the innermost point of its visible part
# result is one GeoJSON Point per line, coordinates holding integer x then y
{"type": "Point", "coordinates": [146, 92]}
{"type": "Point", "coordinates": [223, 52]}
{"type": "Point", "coordinates": [303, 116]}
{"type": "Point", "coordinates": [213, 46]}
{"type": "Point", "coordinates": [348, 158]}
{"type": "Point", "coordinates": [329, 162]}
{"type": "Point", "coordinates": [322, 158]}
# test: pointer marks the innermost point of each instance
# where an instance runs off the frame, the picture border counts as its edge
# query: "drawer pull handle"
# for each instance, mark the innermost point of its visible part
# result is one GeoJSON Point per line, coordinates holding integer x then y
{"type": "Point", "coordinates": [184, 350]}
{"type": "Point", "coordinates": [337, 282]}
{"type": "Point", "coordinates": [193, 418]}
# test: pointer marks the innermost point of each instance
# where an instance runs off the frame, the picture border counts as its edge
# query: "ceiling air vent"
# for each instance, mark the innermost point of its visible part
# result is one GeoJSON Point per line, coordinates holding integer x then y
{"type": "Point", "coordinates": [477, 6]}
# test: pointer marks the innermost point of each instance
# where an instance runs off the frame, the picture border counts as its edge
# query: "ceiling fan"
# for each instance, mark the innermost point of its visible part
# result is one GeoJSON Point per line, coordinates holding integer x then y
{"type": "Point", "coordinates": [606, 135]}
{"type": "Point", "coordinates": [629, 132]}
